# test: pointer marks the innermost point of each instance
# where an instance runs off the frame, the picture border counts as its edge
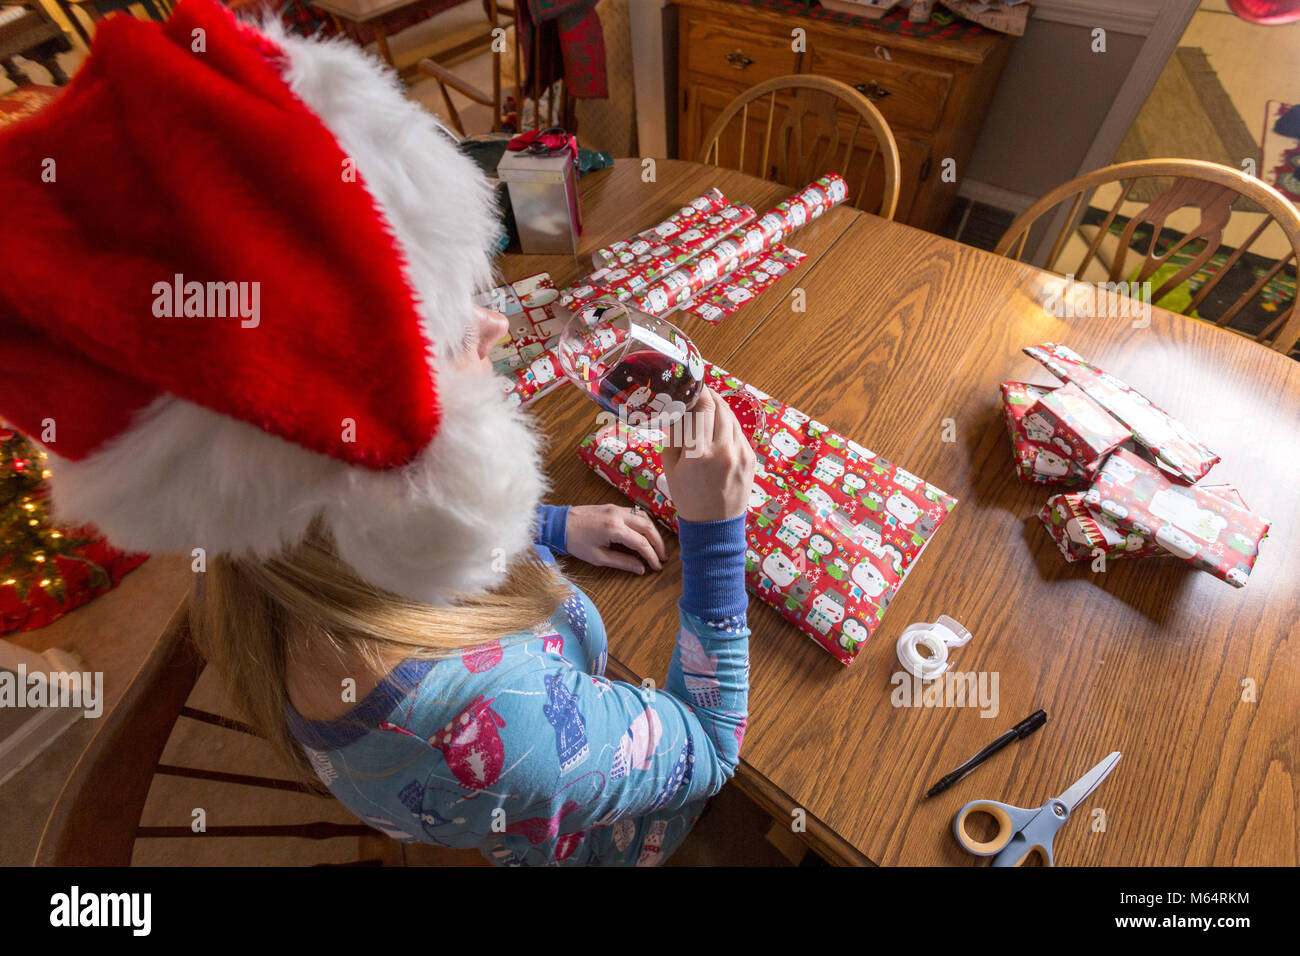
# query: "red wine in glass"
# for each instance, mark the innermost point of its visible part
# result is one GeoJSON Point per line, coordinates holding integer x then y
{"type": "Point", "coordinates": [634, 365]}
{"type": "Point", "coordinates": [649, 383]}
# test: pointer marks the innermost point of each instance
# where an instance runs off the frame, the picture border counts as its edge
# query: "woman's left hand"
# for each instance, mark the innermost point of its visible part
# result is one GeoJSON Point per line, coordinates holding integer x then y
{"type": "Point", "coordinates": [592, 531]}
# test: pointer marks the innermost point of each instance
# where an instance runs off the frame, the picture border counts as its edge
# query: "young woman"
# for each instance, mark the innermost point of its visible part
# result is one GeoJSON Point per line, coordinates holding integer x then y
{"type": "Point", "coordinates": [490, 724]}
{"type": "Point", "coordinates": [243, 328]}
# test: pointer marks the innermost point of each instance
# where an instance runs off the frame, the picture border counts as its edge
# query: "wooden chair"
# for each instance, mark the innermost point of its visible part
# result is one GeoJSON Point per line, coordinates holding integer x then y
{"type": "Point", "coordinates": [96, 819]}
{"type": "Point", "coordinates": [96, 10]}
{"type": "Point", "coordinates": [1208, 186]}
{"type": "Point", "coordinates": [27, 30]}
{"type": "Point", "coordinates": [809, 132]}
{"type": "Point", "coordinates": [447, 77]}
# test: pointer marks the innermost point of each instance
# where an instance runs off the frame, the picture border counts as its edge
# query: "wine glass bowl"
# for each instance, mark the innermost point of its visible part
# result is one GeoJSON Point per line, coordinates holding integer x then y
{"type": "Point", "coordinates": [634, 365]}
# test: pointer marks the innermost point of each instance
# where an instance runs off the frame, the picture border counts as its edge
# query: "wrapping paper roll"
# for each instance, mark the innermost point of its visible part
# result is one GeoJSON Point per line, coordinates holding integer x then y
{"type": "Point", "coordinates": [708, 268]}
{"type": "Point", "coordinates": [627, 250]}
{"type": "Point", "coordinates": [625, 280]}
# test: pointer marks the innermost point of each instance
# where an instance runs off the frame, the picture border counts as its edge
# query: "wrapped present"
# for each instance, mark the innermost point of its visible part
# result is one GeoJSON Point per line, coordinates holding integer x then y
{"type": "Point", "coordinates": [1080, 531]}
{"type": "Point", "coordinates": [1081, 534]}
{"type": "Point", "coordinates": [1209, 530]}
{"type": "Point", "coordinates": [1177, 450]}
{"type": "Point", "coordinates": [1080, 428]}
{"type": "Point", "coordinates": [833, 529]}
{"type": "Point", "coordinates": [1038, 460]}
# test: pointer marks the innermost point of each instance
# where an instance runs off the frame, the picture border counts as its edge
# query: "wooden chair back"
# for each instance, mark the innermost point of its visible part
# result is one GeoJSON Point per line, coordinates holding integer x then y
{"type": "Point", "coordinates": [96, 819]}
{"type": "Point", "coordinates": [810, 137]}
{"type": "Point", "coordinates": [561, 114]}
{"type": "Point", "coordinates": [1212, 189]}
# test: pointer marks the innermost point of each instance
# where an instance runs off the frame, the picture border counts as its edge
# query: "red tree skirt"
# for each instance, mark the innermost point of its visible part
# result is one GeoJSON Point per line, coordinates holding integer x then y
{"type": "Point", "coordinates": [40, 608]}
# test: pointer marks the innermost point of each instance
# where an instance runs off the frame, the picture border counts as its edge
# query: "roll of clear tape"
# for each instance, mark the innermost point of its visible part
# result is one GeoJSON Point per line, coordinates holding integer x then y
{"type": "Point", "coordinates": [937, 637]}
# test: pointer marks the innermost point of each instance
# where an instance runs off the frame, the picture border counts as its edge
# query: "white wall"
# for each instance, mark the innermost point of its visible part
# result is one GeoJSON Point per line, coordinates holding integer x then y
{"type": "Point", "coordinates": [1061, 108]}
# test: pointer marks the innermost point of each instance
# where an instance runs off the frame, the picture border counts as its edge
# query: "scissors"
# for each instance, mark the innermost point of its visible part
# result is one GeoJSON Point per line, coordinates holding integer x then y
{"type": "Point", "coordinates": [1020, 831]}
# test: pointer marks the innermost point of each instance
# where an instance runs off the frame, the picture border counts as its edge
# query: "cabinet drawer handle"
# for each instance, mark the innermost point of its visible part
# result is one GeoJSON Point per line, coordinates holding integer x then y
{"type": "Point", "coordinates": [739, 60]}
{"type": "Point", "coordinates": [872, 91]}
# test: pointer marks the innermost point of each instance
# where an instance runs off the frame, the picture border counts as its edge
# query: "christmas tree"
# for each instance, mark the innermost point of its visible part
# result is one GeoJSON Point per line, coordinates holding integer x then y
{"type": "Point", "coordinates": [29, 543]}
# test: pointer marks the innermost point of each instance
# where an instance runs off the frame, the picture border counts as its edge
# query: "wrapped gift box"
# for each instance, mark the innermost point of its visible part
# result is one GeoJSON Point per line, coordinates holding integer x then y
{"type": "Point", "coordinates": [1177, 450]}
{"type": "Point", "coordinates": [1079, 533]}
{"type": "Point", "coordinates": [1080, 530]}
{"type": "Point", "coordinates": [1038, 460]}
{"type": "Point", "coordinates": [1210, 531]}
{"type": "Point", "coordinates": [1081, 429]}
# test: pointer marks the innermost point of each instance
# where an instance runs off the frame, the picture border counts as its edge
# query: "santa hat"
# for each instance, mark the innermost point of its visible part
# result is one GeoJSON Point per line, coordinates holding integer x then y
{"type": "Point", "coordinates": [330, 237]}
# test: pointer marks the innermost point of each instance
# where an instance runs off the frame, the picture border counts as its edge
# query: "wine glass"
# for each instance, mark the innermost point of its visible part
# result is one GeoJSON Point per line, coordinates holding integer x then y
{"type": "Point", "coordinates": [634, 365]}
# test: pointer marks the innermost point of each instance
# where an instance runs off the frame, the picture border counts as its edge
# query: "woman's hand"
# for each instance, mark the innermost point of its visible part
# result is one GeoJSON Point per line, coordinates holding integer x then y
{"type": "Point", "coordinates": [593, 531]}
{"type": "Point", "coordinates": [710, 480]}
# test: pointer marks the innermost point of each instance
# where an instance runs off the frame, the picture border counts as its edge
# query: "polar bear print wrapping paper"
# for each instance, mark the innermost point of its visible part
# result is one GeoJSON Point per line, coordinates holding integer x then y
{"type": "Point", "coordinates": [1205, 529]}
{"type": "Point", "coordinates": [833, 529]}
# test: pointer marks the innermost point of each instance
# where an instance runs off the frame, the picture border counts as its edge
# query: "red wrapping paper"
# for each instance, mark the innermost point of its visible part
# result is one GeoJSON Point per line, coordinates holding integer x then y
{"type": "Point", "coordinates": [714, 305]}
{"type": "Point", "coordinates": [833, 529]}
{"type": "Point", "coordinates": [728, 255]}
{"type": "Point", "coordinates": [1164, 436]}
{"type": "Point", "coordinates": [1205, 529]}
{"type": "Point", "coordinates": [626, 251]}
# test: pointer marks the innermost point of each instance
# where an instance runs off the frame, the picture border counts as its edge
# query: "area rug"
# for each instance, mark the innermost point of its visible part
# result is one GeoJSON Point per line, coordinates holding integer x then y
{"type": "Point", "coordinates": [24, 101]}
{"type": "Point", "coordinates": [1188, 114]}
{"type": "Point", "coordinates": [1262, 310]}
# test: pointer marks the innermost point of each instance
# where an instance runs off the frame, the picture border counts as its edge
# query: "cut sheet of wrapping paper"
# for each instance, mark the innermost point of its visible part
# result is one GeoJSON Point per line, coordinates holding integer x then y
{"type": "Point", "coordinates": [680, 287]}
{"type": "Point", "coordinates": [1208, 531]}
{"type": "Point", "coordinates": [1082, 532]}
{"type": "Point", "coordinates": [626, 252]}
{"type": "Point", "coordinates": [1164, 436]}
{"type": "Point", "coordinates": [832, 529]}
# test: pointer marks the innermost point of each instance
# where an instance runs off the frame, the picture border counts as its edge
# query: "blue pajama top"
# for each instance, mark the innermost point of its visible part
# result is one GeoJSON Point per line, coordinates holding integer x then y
{"type": "Point", "coordinates": [522, 748]}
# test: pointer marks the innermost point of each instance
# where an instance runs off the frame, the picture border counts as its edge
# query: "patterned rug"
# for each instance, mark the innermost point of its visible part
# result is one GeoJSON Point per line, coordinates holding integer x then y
{"type": "Point", "coordinates": [1188, 114]}
{"type": "Point", "coordinates": [1259, 313]}
{"type": "Point", "coordinates": [24, 101]}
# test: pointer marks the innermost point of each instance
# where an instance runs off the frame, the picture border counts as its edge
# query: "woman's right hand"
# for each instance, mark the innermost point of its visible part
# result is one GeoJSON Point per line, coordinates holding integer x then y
{"type": "Point", "coordinates": [710, 477]}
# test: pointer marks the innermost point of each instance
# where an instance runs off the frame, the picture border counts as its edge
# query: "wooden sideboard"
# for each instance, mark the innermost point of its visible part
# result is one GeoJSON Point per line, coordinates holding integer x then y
{"type": "Point", "coordinates": [934, 92]}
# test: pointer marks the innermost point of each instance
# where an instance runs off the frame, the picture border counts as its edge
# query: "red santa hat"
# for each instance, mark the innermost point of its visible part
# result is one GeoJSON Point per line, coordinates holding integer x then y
{"type": "Point", "coordinates": [245, 265]}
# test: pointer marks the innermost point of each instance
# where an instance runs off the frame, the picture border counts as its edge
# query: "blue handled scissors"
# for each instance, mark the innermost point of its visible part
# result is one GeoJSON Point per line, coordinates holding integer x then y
{"type": "Point", "coordinates": [1020, 831]}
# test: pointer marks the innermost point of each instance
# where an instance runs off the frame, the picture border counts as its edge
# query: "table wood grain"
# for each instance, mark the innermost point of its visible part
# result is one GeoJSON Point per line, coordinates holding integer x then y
{"type": "Point", "coordinates": [903, 332]}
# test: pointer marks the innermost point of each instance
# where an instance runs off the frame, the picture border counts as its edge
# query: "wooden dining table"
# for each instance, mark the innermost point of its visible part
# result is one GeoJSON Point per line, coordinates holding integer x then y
{"type": "Point", "coordinates": [902, 342]}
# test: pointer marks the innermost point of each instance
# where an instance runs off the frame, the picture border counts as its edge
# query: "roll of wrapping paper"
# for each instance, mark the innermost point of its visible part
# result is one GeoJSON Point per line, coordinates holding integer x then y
{"type": "Point", "coordinates": [623, 252]}
{"type": "Point", "coordinates": [728, 255]}
{"type": "Point", "coordinates": [625, 281]}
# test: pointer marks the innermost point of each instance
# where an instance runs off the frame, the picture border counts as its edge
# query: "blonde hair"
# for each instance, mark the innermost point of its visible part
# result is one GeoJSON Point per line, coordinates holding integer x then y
{"type": "Point", "coordinates": [244, 614]}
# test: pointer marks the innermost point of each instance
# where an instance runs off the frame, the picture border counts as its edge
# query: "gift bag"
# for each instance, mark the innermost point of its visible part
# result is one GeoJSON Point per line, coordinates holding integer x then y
{"type": "Point", "coordinates": [833, 529]}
